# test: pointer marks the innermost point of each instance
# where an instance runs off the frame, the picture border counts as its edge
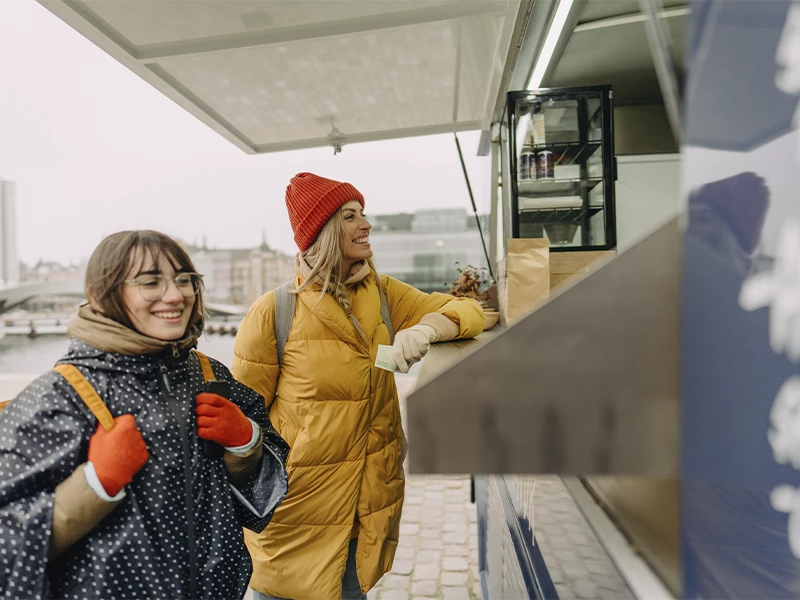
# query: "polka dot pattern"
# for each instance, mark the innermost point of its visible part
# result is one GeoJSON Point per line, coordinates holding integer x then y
{"type": "Point", "coordinates": [143, 548]}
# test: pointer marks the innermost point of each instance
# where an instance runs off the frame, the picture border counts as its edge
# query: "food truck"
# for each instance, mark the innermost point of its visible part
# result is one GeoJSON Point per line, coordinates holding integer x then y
{"type": "Point", "coordinates": [631, 424]}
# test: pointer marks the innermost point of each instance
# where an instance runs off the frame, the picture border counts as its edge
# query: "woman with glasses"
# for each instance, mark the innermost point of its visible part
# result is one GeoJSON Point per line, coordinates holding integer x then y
{"type": "Point", "coordinates": [336, 533]}
{"type": "Point", "coordinates": [153, 507]}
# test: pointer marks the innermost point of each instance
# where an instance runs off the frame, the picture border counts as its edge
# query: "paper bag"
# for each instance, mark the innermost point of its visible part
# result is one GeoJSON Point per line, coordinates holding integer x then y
{"type": "Point", "coordinates": [527, 276]}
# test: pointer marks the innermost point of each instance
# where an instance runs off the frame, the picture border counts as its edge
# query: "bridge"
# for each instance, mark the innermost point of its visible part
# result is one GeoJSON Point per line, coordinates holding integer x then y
{"type": "Point", "coordinates": [214, 309]}
{"type": "Point", "coordinates": [13, 296]}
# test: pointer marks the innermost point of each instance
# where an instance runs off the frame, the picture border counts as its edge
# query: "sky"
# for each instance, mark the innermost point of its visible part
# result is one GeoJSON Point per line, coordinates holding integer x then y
{"type": "Point", "coordinates": [94, 149]}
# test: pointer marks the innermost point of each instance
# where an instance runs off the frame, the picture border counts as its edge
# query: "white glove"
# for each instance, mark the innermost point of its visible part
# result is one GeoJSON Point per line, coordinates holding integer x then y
{"type": "Point", "coordinates": [411, 344]}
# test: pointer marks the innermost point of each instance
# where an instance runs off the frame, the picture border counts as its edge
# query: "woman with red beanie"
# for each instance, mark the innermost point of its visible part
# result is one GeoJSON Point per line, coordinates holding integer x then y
{"type": "Point", "coordinates": [132, 506]}
{"type": "Point", "coordinates": [335, 534]}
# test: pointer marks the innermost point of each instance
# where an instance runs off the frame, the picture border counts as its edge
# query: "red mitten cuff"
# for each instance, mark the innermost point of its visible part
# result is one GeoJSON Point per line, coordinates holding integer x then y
{"type": "Point", "coordinates": [221, 421]}
{"type": "Point", "coordinates": [117, 455]}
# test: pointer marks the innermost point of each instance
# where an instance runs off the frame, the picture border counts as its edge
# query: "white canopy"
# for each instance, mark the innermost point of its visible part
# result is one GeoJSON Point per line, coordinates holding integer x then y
{"type": "Point", "coordinates": [273, 75]}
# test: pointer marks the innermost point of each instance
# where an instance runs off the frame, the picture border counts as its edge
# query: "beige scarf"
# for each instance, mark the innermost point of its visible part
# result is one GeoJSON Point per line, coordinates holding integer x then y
{"type": "Point", "coordinates": [109, 336]}
{"type": "Point", "coordinates": [358, 272]}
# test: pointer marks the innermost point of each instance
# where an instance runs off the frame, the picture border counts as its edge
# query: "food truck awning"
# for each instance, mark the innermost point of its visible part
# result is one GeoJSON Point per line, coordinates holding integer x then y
{"type": "Point", "coordinates": [273, 75]}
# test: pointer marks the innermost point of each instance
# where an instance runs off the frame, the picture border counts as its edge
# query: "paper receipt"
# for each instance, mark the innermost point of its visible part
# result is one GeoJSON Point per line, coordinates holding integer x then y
{"type": "Point", "coordinates": [385, 358]}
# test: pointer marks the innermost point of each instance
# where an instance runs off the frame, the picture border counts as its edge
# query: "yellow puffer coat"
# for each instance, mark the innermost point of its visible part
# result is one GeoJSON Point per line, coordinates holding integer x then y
{"type": "Point", "coordinates": [341, 417]}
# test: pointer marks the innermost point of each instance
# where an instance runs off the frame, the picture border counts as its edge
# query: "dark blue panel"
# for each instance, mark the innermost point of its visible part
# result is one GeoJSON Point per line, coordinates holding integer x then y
{"type": "Point", "coordinates": [735, 526]}
{"type": "Point", "coordinates": [731, 99]}
{"type": "Point", "coordinates": [510, 561]}
{"type": "Point", "coordinates": [735, 544]}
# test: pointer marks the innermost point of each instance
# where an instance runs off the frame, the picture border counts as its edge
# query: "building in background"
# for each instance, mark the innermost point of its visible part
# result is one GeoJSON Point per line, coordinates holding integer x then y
{"type": "Point", "coordinates": [9, 259]}
{"type": "Point", "coordinates": [426, 248]}
{"type": "Point", "coordinates": [52, 271]}
{"type": "Point", "coordinates": [241, 275]}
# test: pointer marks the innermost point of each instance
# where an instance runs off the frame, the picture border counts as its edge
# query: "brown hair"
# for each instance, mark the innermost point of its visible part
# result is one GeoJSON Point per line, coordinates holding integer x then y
{"type": "Point", "coordinates": [112, 260]}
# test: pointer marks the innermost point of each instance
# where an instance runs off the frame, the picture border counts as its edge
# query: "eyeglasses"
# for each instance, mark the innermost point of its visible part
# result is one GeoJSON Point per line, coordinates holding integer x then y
{"type": "Point", "coordinates": [153, 287]}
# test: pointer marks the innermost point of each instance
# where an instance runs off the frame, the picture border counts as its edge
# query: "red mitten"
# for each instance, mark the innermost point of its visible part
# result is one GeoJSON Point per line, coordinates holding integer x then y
{"type": "Point", "coordinates": [221, 421]}
{"type": "Point", "coordinates": [117, 455]}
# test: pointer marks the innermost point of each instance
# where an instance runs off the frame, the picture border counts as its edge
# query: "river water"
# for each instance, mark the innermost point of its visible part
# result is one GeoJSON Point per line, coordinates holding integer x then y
{"type": "Point", "coordinates": [20, 354]}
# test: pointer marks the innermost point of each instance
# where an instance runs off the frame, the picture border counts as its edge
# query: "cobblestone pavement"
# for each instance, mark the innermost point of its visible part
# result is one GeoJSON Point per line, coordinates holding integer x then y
{"type": "Point", "coordinates": [438, 552]}
{"type": "Point", "coordinates": [437, 556]}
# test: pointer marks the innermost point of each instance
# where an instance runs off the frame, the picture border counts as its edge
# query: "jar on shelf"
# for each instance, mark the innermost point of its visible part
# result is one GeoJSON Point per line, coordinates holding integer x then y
{"type": "Point", "coordinates": [527, 164]}
{"type": "Point", "coordinates": [544, 164]}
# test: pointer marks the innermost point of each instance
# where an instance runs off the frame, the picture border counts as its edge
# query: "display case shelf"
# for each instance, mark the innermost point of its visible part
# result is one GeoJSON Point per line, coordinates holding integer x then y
{"type": "Point", "coordinates": [529, 187]}
{"type": "Point", "coordinates": [569, 153]}
{"type": "Point", "coordinates": [556, 215]}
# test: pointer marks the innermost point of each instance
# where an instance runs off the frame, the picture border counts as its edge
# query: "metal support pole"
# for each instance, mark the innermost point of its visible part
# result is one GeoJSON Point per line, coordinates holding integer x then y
{"type": "Point", "coordinates": [659, 43]}
{"type": "Point", "coordinates": [475, 210]}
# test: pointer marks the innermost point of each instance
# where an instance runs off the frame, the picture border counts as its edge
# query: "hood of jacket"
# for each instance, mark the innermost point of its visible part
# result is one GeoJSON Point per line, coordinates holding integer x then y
{"type": "Point", "coordinates": [108, 335]}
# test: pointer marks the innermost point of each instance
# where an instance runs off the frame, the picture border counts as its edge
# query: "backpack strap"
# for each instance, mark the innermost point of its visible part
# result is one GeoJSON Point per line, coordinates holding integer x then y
{"type": "Point", "coordinates": [93, 401]}
{"type": "Point", "coordinates": [87, 393]}
{"type": "Point", "coordinates": [285, 304]}
{"type": "Point", "coordinates": [205, 365]}
{"type": "Point", "coordinates": [387, 318]}
{"type": "Point", "coordinates": [385, 314]}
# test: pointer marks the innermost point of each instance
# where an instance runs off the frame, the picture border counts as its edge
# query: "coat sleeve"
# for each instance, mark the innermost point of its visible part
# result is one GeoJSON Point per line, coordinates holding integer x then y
{"type": "Point", "coordinates": [43, 439]}
{"type": "Point", "coordinates": [259, 487]}
{"type": "Point", "coordinates": [77, 509]}
{"type": "Point", "coordinates": [408, 305]}
{"type": "Point", "coordinates": [255, 351]}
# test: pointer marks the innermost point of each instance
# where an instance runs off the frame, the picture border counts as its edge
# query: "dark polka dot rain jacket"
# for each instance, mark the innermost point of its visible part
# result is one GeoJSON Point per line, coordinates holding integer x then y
{"type": "Point", "coordinates": [178, 531]}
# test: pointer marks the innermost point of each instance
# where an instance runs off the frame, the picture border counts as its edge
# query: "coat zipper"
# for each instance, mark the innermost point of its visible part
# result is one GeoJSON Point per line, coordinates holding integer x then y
{"type": "Point", "coordinates": [187, 469]}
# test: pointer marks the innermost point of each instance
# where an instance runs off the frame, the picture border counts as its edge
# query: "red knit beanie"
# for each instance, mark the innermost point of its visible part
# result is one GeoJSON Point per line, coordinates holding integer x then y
{"type": "Point", "coordinates": [311, 201]}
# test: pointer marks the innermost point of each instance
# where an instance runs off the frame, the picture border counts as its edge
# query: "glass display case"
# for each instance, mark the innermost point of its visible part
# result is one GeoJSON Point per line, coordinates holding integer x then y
{"type": "Point", "coordinates": [562, 167]}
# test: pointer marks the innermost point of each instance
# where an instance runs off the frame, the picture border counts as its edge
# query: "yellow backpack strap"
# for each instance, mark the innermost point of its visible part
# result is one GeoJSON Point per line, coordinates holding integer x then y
{"type": "Point", "coordinates": [3, 404]}
{"type": "Point", "coordinates": [205, 365]}
{"type": "Point", "coordinates": [87, 394]}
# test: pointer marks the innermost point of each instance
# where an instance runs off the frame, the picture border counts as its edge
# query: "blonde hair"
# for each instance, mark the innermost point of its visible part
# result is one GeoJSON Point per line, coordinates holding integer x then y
{"type": "Point", "coordinates": [326, 258]}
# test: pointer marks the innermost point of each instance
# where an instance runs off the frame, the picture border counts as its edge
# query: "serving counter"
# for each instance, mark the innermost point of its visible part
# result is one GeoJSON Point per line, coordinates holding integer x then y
{"type": "Point", "coordinates": [569, 420]}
